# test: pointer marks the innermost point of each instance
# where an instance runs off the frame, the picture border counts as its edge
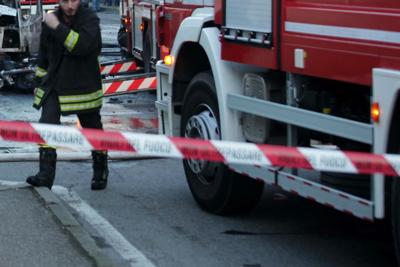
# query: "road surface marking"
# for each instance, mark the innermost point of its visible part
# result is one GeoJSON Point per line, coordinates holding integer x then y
{"type": "Point", "coordinates": [11, 183]}
{"type": "Point", "coordinates": [114, 238]}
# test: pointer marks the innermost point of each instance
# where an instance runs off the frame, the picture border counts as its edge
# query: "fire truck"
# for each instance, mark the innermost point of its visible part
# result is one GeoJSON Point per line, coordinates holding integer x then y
{"type": "Point", "coordinates": [299, 73]}
{"type": "Point", "coordinates": [137, 35]}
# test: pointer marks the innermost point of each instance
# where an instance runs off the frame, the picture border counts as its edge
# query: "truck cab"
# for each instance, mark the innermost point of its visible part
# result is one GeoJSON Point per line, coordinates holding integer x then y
{"type": "Point", "coordinates": [298, 74]}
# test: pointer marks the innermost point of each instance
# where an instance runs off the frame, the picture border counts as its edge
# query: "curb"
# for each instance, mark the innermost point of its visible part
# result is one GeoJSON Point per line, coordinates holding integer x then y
{"type": "Point", "coordinates": [68, 222]}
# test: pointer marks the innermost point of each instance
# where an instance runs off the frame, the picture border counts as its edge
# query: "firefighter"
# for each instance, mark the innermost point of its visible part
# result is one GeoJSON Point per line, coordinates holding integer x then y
{"type": "Point", "coordinates": [70, 82]}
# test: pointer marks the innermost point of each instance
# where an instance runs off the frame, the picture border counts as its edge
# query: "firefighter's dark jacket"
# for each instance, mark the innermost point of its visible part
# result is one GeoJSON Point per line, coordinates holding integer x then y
{"type": "Point", "coordinates": [68, 63]}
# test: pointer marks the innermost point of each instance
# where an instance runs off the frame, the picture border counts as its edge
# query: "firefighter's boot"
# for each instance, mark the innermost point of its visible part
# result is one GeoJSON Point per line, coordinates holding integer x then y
{"type": "Point", "coordinates": [47, 168]}
{"type": "Point", "coordinates": [100, 170]}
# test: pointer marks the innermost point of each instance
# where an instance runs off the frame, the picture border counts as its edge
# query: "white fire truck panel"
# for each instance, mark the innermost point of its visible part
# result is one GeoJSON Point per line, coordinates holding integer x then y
{"type": "Point", "coordinates": [250, 15]}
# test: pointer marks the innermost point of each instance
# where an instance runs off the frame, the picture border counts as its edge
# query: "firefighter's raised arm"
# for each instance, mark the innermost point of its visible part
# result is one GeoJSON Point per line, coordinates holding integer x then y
{"type": "Point", "coordinates": [80, 40]}
{"type": "Point", "coordinates": [51, 20]}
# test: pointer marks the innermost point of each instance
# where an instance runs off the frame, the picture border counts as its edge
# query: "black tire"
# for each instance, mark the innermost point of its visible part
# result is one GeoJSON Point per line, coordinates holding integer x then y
{"type": "Point", "coordinates": [395, 215]}
{"type": "Point", "coordinates": [392, 184]}
{"type": "Point", "coordinates": [394, 207]}
{"type": "Point", "coordinates": [25, 82]}
{"type": "Point", "coordinates": [122, 38]}
{"type": "Point", "coordinates": [215, 188]}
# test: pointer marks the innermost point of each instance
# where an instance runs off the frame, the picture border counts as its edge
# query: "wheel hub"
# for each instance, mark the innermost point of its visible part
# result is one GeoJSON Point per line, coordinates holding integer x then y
{"type": "Point", "coordinates": [203, 125]}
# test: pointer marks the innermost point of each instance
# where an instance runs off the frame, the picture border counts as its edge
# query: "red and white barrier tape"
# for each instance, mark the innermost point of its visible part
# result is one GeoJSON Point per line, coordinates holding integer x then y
{"type": "Point", "coordinates": [212, 150]}
{"type": "Point", "coordinates": [119, 87]}
{"type": "Point", "coordinates": [116, 68]}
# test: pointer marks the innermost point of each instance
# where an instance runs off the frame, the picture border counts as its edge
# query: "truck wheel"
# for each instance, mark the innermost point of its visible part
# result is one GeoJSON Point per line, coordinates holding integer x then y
{"type": "Point", "coordinates": [395, 215]}
{"type": "Point", "coordinates": [25, 82]}
{"type": "Point", "coordinates": [213, 185]}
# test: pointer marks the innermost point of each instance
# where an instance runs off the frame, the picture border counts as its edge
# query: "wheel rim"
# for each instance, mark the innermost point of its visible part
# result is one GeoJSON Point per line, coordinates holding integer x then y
{"type": "Point", "coordinates": [203, 125]}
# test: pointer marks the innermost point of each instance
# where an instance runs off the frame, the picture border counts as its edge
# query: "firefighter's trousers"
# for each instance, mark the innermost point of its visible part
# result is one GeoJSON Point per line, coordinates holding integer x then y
{"type": "Point", "coordinates": [51, 114]}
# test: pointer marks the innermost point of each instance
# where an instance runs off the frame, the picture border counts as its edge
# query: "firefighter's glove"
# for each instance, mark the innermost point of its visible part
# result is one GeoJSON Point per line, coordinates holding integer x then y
{"type": "Point", "coordinates": [51, 20]}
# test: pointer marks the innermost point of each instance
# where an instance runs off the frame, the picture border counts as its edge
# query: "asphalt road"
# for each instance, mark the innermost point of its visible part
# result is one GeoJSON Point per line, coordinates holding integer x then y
{"type": "Point", "coordinates": [153, 210]}
{"type": "Point", "coordinates": [147, 216]}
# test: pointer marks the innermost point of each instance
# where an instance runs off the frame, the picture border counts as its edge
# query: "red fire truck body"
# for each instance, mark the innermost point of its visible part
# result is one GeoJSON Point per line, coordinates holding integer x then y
{"type": "Point", "coordinates": [339, 42]}
{"type": "Point", "coordinates": [150, 27]}
{"type": "Point", "coordinates": [307, 73]}
{"type": "Point", "coordinates": [137, 34]}
{"type": "Point", "coordinates": [353, 37]}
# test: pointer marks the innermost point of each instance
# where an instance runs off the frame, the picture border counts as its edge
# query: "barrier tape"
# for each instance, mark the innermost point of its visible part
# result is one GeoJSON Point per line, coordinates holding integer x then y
{"type": "Point", "coordinates": [211, 150]}
{"type": "Point", "coordinates": [117, 68]}
{"type": "Point", "coordinates": [134, 85]}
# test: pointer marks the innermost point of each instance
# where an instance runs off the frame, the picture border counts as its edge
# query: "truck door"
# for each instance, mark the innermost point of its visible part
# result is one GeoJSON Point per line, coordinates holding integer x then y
{"type": "Point", "coordinates": [144, 44]}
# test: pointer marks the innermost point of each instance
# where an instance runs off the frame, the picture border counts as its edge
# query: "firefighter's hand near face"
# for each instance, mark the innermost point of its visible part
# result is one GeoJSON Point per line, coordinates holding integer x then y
{"type": "Point", "coordinates": [51, 20]}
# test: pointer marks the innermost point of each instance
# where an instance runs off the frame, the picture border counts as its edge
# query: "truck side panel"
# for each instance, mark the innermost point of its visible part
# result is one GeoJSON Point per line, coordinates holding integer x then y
{"type": "Point", "coordinates": [336, 39]}
{"type": "Point", "coordinates": [172, 19]}
{"type": "Point", "coordinates": [245, 52]}
{"type": "Point", "coordinates": [341, 40]}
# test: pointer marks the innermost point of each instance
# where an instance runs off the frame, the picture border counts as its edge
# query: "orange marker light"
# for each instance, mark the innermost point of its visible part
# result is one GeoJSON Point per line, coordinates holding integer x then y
{"type": "Point", "coordinates": [127, 21]}
{"type": "Point", "coordinates": [141, 27]}
{"type": "Point", "coordinates": [168, 60]}
{"type": "Point", "coordinates": [375, 112]}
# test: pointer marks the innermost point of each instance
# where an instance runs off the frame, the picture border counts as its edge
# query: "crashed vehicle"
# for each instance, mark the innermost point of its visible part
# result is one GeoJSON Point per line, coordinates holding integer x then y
{"type": "Point", "coordinates": [19, 44]}
{"type": "Point", "coordinates": [28, 7]}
